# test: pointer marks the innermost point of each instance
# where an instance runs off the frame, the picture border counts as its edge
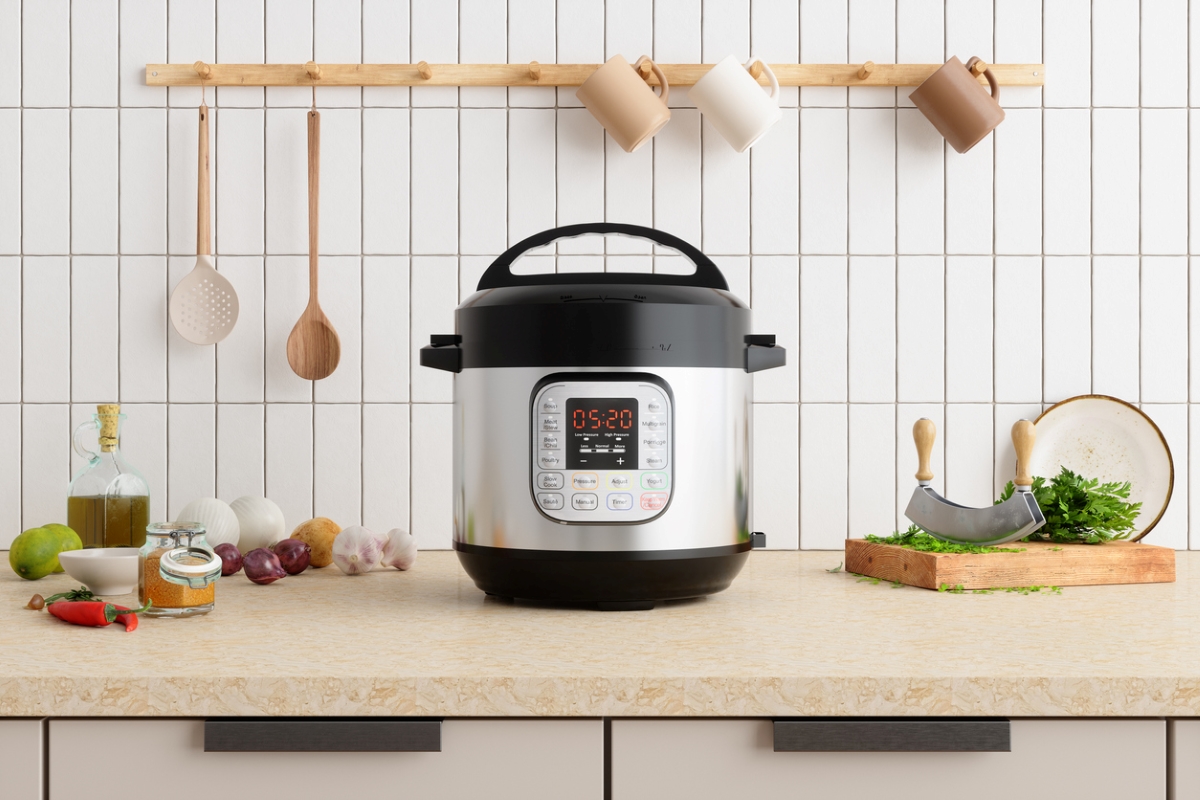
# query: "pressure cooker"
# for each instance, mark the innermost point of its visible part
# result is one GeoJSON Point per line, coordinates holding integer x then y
{"type": "Point", "coordinates": [602, 429]}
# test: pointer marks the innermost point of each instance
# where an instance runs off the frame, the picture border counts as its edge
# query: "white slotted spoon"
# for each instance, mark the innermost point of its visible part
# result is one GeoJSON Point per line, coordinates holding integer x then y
{"type": "Point", "coordinates": [204, 306]}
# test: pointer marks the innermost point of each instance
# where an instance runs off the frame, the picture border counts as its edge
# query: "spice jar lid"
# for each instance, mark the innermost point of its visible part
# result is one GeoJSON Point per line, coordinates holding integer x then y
{"type": "Point", "coordinates": [191, 566]}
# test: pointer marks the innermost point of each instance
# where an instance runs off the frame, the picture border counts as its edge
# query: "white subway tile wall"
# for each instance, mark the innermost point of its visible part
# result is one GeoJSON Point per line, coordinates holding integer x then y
{"type": "Point", "coordinates": [905, 279]}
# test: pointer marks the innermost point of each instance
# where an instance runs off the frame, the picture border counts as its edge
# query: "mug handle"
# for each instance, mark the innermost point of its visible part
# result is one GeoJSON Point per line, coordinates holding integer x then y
{"type": "Point", "coordinates": [770, 75]}
{"type": "Point", "coordinates": [662, 79]}
{"type": "Point", "coordinates": [987, 73]}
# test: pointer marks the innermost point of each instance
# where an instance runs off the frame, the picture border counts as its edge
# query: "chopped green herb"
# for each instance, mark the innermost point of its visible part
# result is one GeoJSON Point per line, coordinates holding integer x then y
{"type": "Point", "coordinates": [916, 539]}
{"type": "Point", "coordinates": [838, 568]}
{"type": "Point", "coordinates": [1081, 511]}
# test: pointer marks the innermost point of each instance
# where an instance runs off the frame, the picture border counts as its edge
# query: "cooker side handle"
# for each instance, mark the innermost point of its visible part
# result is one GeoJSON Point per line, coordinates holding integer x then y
{"type": "Point", "coordinates": [761, 352]}
{"type": "Point", "coordinates": [443, 352]}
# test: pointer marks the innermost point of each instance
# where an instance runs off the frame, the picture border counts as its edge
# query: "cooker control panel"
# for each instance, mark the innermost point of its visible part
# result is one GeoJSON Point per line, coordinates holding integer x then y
{"type": "Point", "coordinates": [601, 451]}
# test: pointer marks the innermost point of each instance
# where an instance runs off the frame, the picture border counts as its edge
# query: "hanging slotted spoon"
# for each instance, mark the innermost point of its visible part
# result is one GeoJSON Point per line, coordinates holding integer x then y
{"type": "Point", "coordinates": [204, 306]}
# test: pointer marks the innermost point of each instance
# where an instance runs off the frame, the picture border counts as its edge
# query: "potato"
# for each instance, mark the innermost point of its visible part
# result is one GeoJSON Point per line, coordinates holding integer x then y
{"type": "Point", "coordinates": [318, 534]}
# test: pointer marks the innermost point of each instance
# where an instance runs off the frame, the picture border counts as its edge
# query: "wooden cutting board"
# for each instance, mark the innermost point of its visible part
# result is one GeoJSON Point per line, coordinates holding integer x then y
{"type": "Point", "coordinates": [1039, 564]}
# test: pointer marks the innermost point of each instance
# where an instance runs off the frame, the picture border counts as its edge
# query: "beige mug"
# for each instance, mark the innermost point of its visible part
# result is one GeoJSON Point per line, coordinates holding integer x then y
{"type": "Point", "coordinates": [957, 105]}
{"type": "Point", "coordinates": [624, 103]}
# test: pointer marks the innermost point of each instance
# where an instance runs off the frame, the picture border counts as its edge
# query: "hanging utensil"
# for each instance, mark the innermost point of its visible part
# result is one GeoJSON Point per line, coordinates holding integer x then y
{"type": "Point", "coordinates": [313, 347]}
{"type": "Point", "coordinates": [204, 306]}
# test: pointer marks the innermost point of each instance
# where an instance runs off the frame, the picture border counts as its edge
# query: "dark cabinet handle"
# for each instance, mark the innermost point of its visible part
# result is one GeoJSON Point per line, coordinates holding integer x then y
{"type": "Point", "coordinates": [893, 736]}
{"type": "Point", "coordinates": [322, 736]}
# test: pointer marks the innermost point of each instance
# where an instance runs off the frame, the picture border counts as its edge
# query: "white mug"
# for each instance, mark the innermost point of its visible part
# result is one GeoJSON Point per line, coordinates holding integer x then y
{"type": "Point", "coordinates": [734, 102]}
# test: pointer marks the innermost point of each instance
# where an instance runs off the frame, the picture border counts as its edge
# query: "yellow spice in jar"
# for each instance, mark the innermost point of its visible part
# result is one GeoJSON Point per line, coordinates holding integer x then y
{"type": "Point", "coordinates": [153, 587]}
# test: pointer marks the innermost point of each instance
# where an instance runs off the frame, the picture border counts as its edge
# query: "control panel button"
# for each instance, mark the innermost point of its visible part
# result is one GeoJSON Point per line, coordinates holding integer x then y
{"type": "Point", "coordinates": [550, 480]}
{"type": "Point", "coordinates": [652, 423]}
{"type": "Point", "coordinates": [654, 406]}
{"type": "Point", "coordinates": [549, 405]}
{"type": "Point", "coordinates": [585, 480]}
{"type": "Point", "coordinates": [620, 480]}
{"type": "Point", "coordinates": [551, 422]}
{"type": "Point", "coordinates": [655, 441]}
{"type": "Point", "coordinates": [654, 480]}
{"type": "Point", "coordinates": [654, 461]}
{"type": "Point", "coordinates": [552, 501]}
{"type": "Point", "coordinates": [549, 442]}
{"type": "Point", "coordinates": [584, 502]}
{"type": "Point", "coordinates": [653, 501]}
{"type": "Point", "coordinates": [549, 460]}
{"type": "Point", "coordinates": [620, 501]}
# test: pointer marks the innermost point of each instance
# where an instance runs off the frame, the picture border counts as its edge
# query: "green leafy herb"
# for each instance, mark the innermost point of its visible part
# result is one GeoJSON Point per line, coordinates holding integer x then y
{"type": "Point", "coordinates": [916, 539]}
{"type": "Point", "coordinates": [838, 568]}
{"type": "Point", "coordinates": [1081, 511]}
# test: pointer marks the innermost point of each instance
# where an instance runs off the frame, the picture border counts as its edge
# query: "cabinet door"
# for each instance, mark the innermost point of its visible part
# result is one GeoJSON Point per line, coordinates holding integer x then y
{"type": "Point", "coordinates": [21, 759]}
{"type": "Point", "coordinates": [526, 759]}
{"type": "Point", "coordinates": [1185, 758]}
{"type": "Point", "coordinates": [699, 759]}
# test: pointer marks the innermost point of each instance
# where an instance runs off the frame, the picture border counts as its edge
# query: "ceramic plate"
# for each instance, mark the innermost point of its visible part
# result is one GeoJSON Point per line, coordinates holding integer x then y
{"type": "Point", "coordinates": [1102, 437]}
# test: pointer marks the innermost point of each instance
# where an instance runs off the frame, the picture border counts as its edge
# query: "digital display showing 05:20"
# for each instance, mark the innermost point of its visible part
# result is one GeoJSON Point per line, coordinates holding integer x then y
{"type": "Point", "coordinates": [595, 418]}
{"type": "Point", "coordinates": [603, 432]}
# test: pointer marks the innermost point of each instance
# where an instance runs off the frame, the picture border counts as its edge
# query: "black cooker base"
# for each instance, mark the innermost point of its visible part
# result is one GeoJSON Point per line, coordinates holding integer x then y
{"type": "Point", "coordinates": [626, 581]}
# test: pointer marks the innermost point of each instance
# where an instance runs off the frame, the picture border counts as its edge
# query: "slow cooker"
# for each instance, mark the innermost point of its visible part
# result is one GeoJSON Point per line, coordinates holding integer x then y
{"type": "Point", "coordinates": [602, 429]}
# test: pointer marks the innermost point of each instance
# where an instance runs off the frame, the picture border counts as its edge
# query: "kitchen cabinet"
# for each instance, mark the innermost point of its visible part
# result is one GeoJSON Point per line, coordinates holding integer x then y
{"type": "Point", "coordinates": [526, 759]}
{"type": "Point", "coordinates": [1185, 758]}
{"type": "Point", "coordinates": [1097, 759]}
{"type": "Point", "coordinates": [21, 759]}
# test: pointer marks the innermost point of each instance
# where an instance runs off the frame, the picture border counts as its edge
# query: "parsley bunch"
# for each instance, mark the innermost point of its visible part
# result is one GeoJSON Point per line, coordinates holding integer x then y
{"type": "Point", "coordinates": [916, 539]}
{"type": "Point", "coordinates": [1082, 511]}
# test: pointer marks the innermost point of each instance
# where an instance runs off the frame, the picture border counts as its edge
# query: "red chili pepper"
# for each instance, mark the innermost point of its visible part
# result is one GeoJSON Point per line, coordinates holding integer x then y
{"type": "Point", "coordinates": [95, 613]}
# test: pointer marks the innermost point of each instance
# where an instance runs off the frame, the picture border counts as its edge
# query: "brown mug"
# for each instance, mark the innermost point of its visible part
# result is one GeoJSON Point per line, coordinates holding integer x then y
{"type": "Point", "coordinates": [624, 103]}
{"type": "Point", "coordinates": [957, 105]}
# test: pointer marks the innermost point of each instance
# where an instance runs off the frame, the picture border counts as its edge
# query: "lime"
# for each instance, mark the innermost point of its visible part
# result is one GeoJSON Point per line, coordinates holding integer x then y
{"type": "Point", "coordinates": [68, 539]}
{"type": "Point", "coordinates": [34, 554]}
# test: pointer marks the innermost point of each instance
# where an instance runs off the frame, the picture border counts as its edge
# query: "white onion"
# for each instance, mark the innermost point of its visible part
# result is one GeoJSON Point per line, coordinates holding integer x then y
{"type": "Point", "coordinates": [261, 522]}
{"type": "Point", "coordinates": [217, 518]}
{"type": "Point", "coordinates": [357, 550]}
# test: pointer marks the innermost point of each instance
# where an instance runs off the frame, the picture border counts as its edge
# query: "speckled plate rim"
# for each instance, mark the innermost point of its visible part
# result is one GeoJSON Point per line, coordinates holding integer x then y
{"type": "Point", "coordinates": [1153, 426]}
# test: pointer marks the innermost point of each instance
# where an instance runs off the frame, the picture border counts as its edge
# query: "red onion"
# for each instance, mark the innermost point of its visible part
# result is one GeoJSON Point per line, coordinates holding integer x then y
{"type": "Point", "coordinates": [262, 566]}
{"type": "Point", "coordinates": [231, 559]}
{"type": "Point", "coordinates": [293, 555]}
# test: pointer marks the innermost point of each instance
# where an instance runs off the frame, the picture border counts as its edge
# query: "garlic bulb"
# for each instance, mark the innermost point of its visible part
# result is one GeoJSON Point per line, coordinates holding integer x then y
{"type": "Point", "coordinates": [217, 518]}
{"type": "Point", "coordinates": [261, 522]}
{"type": "Point", "coordinates": [356, 550]}
{"type": "Point", "coordinates": [401, 549]}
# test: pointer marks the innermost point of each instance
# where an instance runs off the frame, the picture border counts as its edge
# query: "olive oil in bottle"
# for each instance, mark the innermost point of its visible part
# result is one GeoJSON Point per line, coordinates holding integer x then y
{"type": "Point", "coordinates": [108, 503]}
{"type": "Point", "coordinates": [109, 521]}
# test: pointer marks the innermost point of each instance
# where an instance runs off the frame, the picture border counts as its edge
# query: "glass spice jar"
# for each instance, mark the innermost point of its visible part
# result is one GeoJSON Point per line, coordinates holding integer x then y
{"type": "Point", "coordinates": [177, 570]}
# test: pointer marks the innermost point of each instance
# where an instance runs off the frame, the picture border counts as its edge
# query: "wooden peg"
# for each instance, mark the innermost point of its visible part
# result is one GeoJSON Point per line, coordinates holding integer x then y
{"type": "Point", "coordinates": [535, 70]}
{"type": "Point", "coordinates": [978, 67]}
{"type": "Point", "coordinates": [425, 70]}
{"type": "Point", "coordinates": [203, 70]}
{"type": "Point", "coordinates": [643, 68]}
{"type": "Point", "coordinates": [313, 70]}
{"type": "Point", "coordinates": [756, 69]}
{"type": "Point", "coordinates": [865, 70]}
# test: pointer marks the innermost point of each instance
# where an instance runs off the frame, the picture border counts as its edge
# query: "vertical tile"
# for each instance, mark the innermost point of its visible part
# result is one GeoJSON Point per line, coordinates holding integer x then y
{"type": "Point", "coordinates": [289, 40]}
{"type": "Point", "coordinates": [1018, 39]}
{"type": "Point", "coordinates": [1194, 327]}
{"type": "Point", "coordinates": [1115, 186]}
{"type": "Point", "coordinates": [143, 40]}
{"type": "Point", "coordinates": [93, 44]}
{"type": "Point", "coordinates": [183, 130]}
{"type": "Point", "coordinates": [386, 182]}
{"type": "Point", "coordinates": [239, 183]}
{"type": "Point", "coordinates": [775, 188]}
{"type": "Point", "coordinates": [10, 53]}
{"type": "Point", "coordinates": [920, 198]}
{"type": "Point", "coordinates": [341, 300]}
{"type": "Point", "coordinates": [580, 176]}
{"type": "Point", "coordinates": [1164, 331]}
{"type": "Point", "coordinates": [1172, 529]}
{"type": "Point", "coordinates": [725, 188]}
{"type": "Point", "coordinates": [726, 29]}
{"type": "Point", "coordinates": [143, 318]}
{"type": "Point", "coordinates": [287, 180]}
{"type": "Point", "coordinates": [191, 369]}
{"type": "Point", "coordinates": [1115, 300]}
{"type": "Point", "coordinates": [1067, 181]}
{"type": "Point", "coordinates": [240, 355]}
{"type": "Point", "coordinates": [532, 30]}
{"type": "Point", "coordinates": [1018, 170]}
{"type": "Point", "coordinates": [775, 298]}
{"type": "Point", "coordinates": [1193, 61]}
{"type": "Point", "coordinates": [871, 496]}
{"type": "Point", "coordinates": [93, 180]}
{"type": "Point", "coordinates": [920, 37]}
{"type": "Point", "coordinates": [872, 330]}
{"type": "Point", "coordinates": [10, 181]}
{"type": "Point", "coordinates": [191, 35]}
{"type": "Point", "coordinates": [242, 39]}
{"type": "Point", "coordinates": [289, 461]}
{"type": "Point", "coordinates": [1193, 180]}
{"type": "Point", "coordinates": [45, 462]}
{"type": "Point", "coordinates": [143, 171]}
{"type": "Point", "coordinates": [823, 40]}
{"type": "Point", "coordinates": [628, 29]}
{"type": "Point", "coordinates": [580, 26]}
{"type": "Point", "coordinates": [872, 38]}
{"type": "Point", "coordinates": [677, 176]}
{"type": "Point", "coordinates": [46, 349]}
{"type": "Point", "coordinates": [775, 34]}
{"type": "Point", "coordinates": [94, 329]}
{"type": "Point", "coordinates": [385, 466]}
{"type": "Point", "coordinates": [920, 327]}
{"type": "Point", "coordinates": [969, 329]}
{"type": "Point", "coordinates": [1193, 478]}
{"type": "Point", "coordinates": [435, 180]}
{"type": "Point", "coordinates": [1115, 28]}
{"type": "Point", "coordinates": [46, 184]}
{"type": "Point", "coordinates": [823, 471]}
{"type": "Point", "coordinates": [46, 54]}
{"type": "Point", "coordinates": [385, 329]}
{"type": "Point", "coordinates": [241, 448]}
{"type": "Point", "coordinates": [10, 331]}
{"type": "Point", "coordinates": [285, 295]}
{"type": "Point", "coordinates": [1067, 53]}
{"type": "Point", "coordinates": [678, 39]}
{"type": "Point", "coordinates": [337, 39]}
{"type": "Point", "coordinates": [432, 445]}
{"type": "Point", "coordinates": [341, 181]}
{"type": "Point", "coordinates": [823, 329]}
{"type": "Point", "coordinates": [386, 38]}
{"type": "Point", "coordinates": [775, 501]}
{"type": "Point", "coordinates": [1019, 320]}
{"type": "Point", "coordinates": [1164, 181]}
{"type": "Point", "coordinates": [484, 173]}
{"type": "Point", "coordinates": [969, 443]}
{"type": "Point", "coordinates": [1067, 345]}
{"type": "Point", "coordinates": [531, 178]}
{"type": "Point", "coordinates": [969, 177]}
{"type": "Point", "coordinates": [628, 194]}
{"type": "Point", "coordinates": [481, 40]}
{"type": "Point", "coordinates": [144, 442]}
{"type": "Point", "coordinates": [906, 453]}
{"type": "Point", "coordinates": [435, 281]}
{"type": "Point", "coordinates": [337, 462]}
{"type": "Point", "coordinates": [1164, 52]}
{"type": "Point", "coordinates": [872, 180]}
{"type": "Point", "coordinates": [191, 454]}
{"type": "Point", "coordinates": [434, 39]}
{"type": "Point", "coordinates": [10, 474]}
{"type": "Point", "coordinates": [823, 180]}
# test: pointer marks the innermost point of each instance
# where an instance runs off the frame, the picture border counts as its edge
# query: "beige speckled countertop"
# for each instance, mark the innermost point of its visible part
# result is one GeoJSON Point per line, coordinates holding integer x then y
{"type": "Point", "coordinates": [787, 639]}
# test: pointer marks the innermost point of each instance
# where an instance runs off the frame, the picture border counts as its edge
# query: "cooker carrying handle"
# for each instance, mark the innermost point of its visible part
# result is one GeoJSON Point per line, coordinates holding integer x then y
{"type": "Point", "coordinates": [499, 274]}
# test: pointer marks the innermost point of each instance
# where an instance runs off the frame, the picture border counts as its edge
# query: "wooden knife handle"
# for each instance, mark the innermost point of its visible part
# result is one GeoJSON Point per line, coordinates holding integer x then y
{"type": "Point", "coordinates": [1023, 436]}
{"type": "Point", "coordinates": [924, 432]}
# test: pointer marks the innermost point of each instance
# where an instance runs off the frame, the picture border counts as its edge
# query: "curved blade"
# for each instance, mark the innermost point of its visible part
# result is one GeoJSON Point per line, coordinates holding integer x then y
{"type": "Point", "coordinates": [1015, 518]}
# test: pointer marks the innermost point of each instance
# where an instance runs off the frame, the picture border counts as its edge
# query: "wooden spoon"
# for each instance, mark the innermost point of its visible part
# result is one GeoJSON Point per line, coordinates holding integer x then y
{"type": "Point", "coordinates": [313, 347]}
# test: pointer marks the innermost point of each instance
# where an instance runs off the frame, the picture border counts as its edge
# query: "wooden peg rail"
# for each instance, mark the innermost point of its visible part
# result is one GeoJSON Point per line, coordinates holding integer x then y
{"type": "Point", "coordinates": [535, 74]}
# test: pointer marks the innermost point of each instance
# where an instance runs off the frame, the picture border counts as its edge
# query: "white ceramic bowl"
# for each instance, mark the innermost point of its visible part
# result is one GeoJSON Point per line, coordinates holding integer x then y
{"type": "Point", "coordinates": [103, 570]}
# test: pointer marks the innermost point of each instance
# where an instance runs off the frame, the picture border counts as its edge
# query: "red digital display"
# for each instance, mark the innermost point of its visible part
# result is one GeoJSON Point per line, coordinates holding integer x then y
{"type": "Point", "coordinates": [602, 419]}
{"type": "Point", "coordinates": [603, 432]}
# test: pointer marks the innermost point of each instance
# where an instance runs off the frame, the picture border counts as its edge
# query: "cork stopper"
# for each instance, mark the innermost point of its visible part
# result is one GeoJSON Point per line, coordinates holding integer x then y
{"type": "Point", "coordinates": [110, 420]}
